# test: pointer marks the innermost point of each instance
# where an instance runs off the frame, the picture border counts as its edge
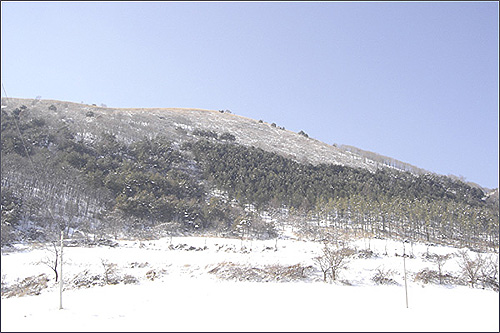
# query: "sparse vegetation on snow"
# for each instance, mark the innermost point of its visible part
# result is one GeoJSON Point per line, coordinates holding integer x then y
{"type": "Point", "coordinates": [203, 271]}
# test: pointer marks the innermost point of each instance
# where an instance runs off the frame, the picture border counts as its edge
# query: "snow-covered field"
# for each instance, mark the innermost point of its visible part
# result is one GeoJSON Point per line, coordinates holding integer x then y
{"type": "Point", "coordinates": [176, 290]}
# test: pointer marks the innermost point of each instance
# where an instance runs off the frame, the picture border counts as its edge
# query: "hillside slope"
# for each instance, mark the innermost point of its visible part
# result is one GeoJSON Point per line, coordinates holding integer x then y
{"type": "Point", "coordinates": [99, 171]}
{"type": "Point", "coordinates": [178, 124]}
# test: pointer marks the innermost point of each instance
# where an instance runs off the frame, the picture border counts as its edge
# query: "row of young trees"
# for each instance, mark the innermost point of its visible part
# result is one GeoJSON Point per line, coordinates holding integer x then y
{"type": "Point", "coordinates": [385, 203]}
{"type": "Point", "coordinates": [415, 220]}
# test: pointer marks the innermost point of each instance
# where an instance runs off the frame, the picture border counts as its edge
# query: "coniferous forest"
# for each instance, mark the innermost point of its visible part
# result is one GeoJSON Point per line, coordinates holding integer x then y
{"type": "Point", "coordinates": [54, 178]}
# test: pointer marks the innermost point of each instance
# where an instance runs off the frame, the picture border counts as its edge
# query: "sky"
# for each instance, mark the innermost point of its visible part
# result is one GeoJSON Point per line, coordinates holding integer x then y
{"type": "Point", "coordinates": [415, 81]}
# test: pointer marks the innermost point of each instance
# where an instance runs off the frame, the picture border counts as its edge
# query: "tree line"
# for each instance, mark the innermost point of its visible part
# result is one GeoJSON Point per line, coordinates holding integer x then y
{"type": "Point", "coordinates": [421, 207]}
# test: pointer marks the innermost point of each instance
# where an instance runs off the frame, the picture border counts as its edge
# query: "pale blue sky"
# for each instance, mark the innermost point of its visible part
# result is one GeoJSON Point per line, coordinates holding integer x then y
{"type": "Point", "coordinates": [416, 81]}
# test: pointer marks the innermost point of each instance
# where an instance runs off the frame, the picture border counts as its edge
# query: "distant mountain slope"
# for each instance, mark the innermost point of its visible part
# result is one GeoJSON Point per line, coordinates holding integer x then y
{"type": "Point", "coordinates": [178, 124]}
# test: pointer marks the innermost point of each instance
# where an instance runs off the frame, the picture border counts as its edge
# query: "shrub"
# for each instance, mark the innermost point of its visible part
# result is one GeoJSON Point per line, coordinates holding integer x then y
{"type": "Point", "coordinates": [228, 137]}
{"type": "Point", "coordinates": [268, 273]}
{"type": "Point", "coordinates": [86, 279]}
{"type": "Point", "coordinates": [32, 285]}
{"type": "Point", "coordinates": [110, 272]}
{"type": "Point", "coordinates": [153, 274]}
{"type": "Point", "coordinates": [366, 254]}
{"type": "Point", "coordinates": [129, 279]}
{"type": "Point", "coordinates": [427, 275]}
{"type": "Point", "coordinates": [383, 276]}
{"type": "Point", "coordinates": [205, 133]}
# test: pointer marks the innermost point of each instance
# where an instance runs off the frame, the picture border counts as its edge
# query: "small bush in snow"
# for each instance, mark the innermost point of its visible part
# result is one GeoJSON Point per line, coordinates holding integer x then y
{"type": "Point", "coordinates": [32, 285]}
{"type": "Point", "coordinates": [383, 276]}
{"type": "Point", "coordinates": [110, 272]}
{"type": "Point", "coordinates": [155, 274]}
{"type": "Point", "coordinates": [139, 265]}
{"type": "Point", "coordinates": [130, 279]}
{"type": "Point", "coordinates": [268, 273]}
{"type": "Point", "coordinates": [151, 274]}
{"type": "Point", "coordinates": [186, 247]}
{"type": "Point", "coordinates": [427, 275]}
{"type": "Point", "coordinates": [86, 279]}
{"type": "Point", "coordinates": [366, 254]}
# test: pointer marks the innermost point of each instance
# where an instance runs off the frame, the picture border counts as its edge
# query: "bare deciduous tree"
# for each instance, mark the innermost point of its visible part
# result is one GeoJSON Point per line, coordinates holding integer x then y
{"type": "Point", "coordinates": [489, 273]}
{"type": "Point", "coordinates": [52, 260]}
{"type": "Point", "coordinates": [110, 274]}
{"type": "Point", "coordinates": [471, 268]}
{"type": "Point", "coordinates": [323, 265]}
{"type": "Point", "coordinates": [332, 260]}
{"type": "Point", "coordinates": [439, 260]}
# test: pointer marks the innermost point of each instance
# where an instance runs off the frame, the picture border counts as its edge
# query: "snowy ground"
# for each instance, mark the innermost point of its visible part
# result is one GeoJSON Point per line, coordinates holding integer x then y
{"type": "Point", "coordinates": [185, 296]}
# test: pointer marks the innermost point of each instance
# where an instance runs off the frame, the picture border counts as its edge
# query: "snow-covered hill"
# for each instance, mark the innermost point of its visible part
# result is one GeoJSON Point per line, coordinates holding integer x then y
{"type": "Point", "coordinates": [220, 284]}
{"type": "Point", "coordinates": [189, 284]}
{"type": "Point", "coordinates": [178, 124]}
